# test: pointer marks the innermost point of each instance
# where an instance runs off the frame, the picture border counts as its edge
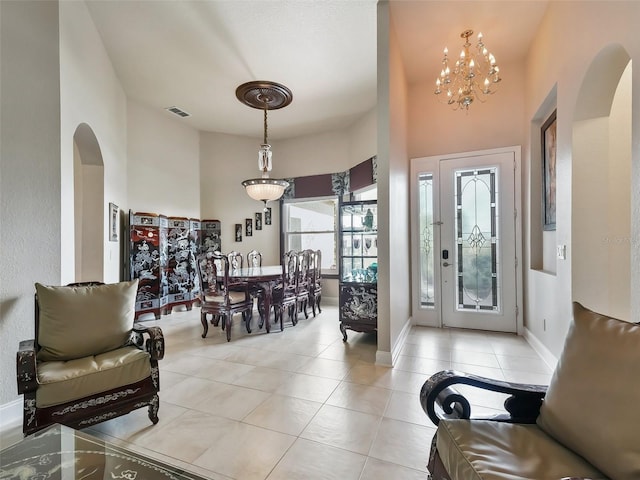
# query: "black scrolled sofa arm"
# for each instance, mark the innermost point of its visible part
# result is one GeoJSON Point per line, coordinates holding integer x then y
{"type": "Point", "coordinates": [26, 363]}
{"type": "Point", "coordinates": [522, 406]}
{"type": "Point", "coordinates": [154, 344]}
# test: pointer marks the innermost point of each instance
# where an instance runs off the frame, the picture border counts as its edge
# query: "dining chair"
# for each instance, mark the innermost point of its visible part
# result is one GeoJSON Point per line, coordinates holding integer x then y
{"type": "Point", "coordinates": [302, 281]}
{"type": "Point", "coordinates": [315, 280]}
{"type": "Point", "coordinates": [284, 296]}
{"type": "Point", "coordinates": [217, 296]}
{"type": "Point", "coordinates": [254, 259]}
{"type": "Point", "coordinates": [235, 260]}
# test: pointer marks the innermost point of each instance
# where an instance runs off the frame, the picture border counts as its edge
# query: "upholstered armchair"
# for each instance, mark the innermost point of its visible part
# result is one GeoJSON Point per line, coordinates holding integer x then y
{"type": "Point", "coordinates": [583, 425]}
{"type": "Point", "coordinates": [88, 361]}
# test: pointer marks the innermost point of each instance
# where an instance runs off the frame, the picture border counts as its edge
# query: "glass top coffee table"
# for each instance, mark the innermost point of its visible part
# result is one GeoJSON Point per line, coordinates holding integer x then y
{"type": "Point", "coordinates": [62, 453]}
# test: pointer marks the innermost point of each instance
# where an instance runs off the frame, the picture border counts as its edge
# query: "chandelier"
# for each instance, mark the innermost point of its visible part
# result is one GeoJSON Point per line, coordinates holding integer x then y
{"type": "Point", "coordinates": [265, 96]}
{"type": "Point", "coordinates": [462, 85]}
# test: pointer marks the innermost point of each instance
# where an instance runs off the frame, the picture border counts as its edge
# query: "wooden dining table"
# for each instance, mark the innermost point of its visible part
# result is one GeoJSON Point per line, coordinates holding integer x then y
{"type": "Point", "coordinates": [266, 277]}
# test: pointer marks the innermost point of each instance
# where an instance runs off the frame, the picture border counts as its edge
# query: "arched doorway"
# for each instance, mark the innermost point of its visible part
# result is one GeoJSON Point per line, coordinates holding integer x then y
{"type": "Point", "coordinates": [601, 185]}
{"type": "Point", "coordinates": [89, 205]}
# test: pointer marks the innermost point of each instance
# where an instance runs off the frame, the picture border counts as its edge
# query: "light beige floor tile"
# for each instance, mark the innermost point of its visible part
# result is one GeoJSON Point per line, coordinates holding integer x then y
{"type": "Point", "coordinates": [366, 373]}
{"type": "Point", "coordinates": [307, 460]}
{"type": "Point", "coordinates": [137, 423]}
{"type": "Point", "coordinates": [265, 379]}
{"type": "Point", "coordinates": [191, 392]}
{"type": "Point", "coordinates": [401, 380]}
{"type": "Point", "coordinates": [188, 364]}
{"type": "Point", "coordinates": [231, 401]}
{"type": "Point", "coordinates": [406, 407]}
{"type": "Point", "coordinates": [514, 347]}
{"type": "Point", "coordinates": [471, 344]}
{"type": "Point", "coordinates": [289, 362]}
{"type": "Point", "coordinates": [363, 398]}
{"type": "Point", "coordinates": [283, 414]}
{"type": "Point", "coordinates": [403, 443]}
{"type": "Point", "coordinates": [343, 428]}
{"type": "Point", "coordinates": [244, 451]}
{"type": "Point", "coordinates": [10, 434]}
{"type": "Point", "coordinates": [527, 377]}
{"type": "Point", "coordinates": [475, 358]}
{"type": "Point", "coordinates": [494, 373]}
{"type": "Point", "coordinates": [376, 469]}
{"type": "Point", "coordinates": [226, 372]}
{"type": "Point", "coordinates": [187, 436]}
{"type": "Point", "coordinates": [169, 379]}
{"type": "Point", "coordinates": [307, 387]}
{"type": "Point", "coordinates": [523, 364]}
{"type": "Point", "coordinates": [431, 349]}
{"type": "Point", "coordinates": [425, 366]}
{"type": "Point", "coordinates": [323, 367]}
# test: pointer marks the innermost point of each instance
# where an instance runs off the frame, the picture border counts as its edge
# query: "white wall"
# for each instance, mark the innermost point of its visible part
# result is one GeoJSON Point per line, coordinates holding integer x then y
{"type": "Point", "coordinates": [394, 273]}
{"type": "Point", "coordinates": [90, 93]}
{"type": "Point", "coordinates": [435, 128]}
{"type": "Point", "coordinates": [558, 58]}
{"type": "Point", "coordinates": [29, 171]}
{"type": "Point", "coordinates": [163, 170]}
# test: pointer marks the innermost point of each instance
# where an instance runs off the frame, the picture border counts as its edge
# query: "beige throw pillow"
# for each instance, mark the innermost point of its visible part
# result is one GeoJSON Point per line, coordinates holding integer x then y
{"type": "Point", "coordinates": [79, 321]}
{"type": "Point", "coordinates": [591, 406]}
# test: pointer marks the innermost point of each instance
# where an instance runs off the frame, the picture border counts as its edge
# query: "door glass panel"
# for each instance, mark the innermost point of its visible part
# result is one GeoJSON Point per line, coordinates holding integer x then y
{"type": "Point", "coordinates": [477, 279]}
{"type": "Point", "coordinates": [427, 266]}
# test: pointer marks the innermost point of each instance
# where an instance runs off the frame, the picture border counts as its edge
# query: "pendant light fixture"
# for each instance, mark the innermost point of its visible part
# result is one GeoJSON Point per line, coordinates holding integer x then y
{"type": "Point", "coordinates": [264, 95]}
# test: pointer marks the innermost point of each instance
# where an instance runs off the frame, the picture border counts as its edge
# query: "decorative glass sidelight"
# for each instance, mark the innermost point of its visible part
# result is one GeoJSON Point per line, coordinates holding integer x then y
{"type": "Point", "coordinates": [427, 260]}
{"type": "Point", "coordinates": [477, 266]}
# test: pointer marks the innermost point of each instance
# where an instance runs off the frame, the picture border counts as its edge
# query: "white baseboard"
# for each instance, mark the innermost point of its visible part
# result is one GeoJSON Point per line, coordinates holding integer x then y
{"type": "Point", "coordinates": [11, 414]}
{"type": "Point", "coordinates": [548, 357]}
{"type": "Point", "coordinates": [388, 359]}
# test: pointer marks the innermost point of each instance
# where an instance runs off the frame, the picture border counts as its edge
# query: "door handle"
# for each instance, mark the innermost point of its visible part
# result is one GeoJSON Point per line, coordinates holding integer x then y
{"type": "Point", "coordinates": [445, 264]}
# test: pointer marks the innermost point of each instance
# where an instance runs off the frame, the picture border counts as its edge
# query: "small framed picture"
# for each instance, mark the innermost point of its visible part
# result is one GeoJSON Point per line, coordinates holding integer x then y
{"type": "Point", "coordinates": [238, 232]}
{"type": "Point", "coordinates": [267, 216]}
{"type": "Point", "coordinates": [258, 220]}
{"type": "Point", "coordinates": [114, 214]}
{"type": "Point", "coordinates": [548, 136]}
{"type": "Point", "coordinates": [248, 227]}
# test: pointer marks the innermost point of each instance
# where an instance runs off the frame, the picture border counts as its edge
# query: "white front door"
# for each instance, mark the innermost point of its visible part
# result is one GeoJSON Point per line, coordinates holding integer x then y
{"type": "Point", "coordinates": [464, 240]}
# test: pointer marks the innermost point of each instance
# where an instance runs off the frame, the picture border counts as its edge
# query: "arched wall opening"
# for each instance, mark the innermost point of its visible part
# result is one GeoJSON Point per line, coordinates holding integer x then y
{"type": "Point", "coordinates": [601, 185]}
{"type": "Point", "coordinates": [89, 205]}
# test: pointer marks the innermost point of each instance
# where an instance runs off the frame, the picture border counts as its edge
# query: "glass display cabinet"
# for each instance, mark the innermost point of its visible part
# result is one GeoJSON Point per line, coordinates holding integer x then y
{"type": "Point", "coordinates": [358, 266]}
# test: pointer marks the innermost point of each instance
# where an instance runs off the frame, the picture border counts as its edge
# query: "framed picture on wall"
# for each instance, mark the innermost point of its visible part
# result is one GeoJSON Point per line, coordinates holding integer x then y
{"type": "Point", "coordinates": [258, 220]}
{"type": "Point", "coordinates": [114, 214]}
{"type": "Point", "coordinates": [248, 227]}
{"type": "Point", "coordinates": [267, 216]}
{"type": "Point", "coordinates": [238, 232]}
{"type": "Point", "coordinates": [548, 135]}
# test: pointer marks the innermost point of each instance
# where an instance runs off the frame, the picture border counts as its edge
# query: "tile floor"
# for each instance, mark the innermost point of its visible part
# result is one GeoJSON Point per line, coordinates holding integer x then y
{"type": "Point", "coordinates": [301, 404]}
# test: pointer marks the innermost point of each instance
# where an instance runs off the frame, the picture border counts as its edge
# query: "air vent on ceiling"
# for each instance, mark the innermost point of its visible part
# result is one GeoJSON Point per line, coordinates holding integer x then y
{"type": "Point", "coordinates": [179, 112]}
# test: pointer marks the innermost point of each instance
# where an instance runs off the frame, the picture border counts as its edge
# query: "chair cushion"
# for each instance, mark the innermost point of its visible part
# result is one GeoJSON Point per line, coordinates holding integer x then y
{"type": "Point", "coordinates": [79, 321]}
{"type": "Point", "coordinates": [234, 297]}
{"type": "Point", "coordinates": [591, 405]}
{"type": "Point", "coordinates": [62, 382]}
{"type": "Point", "coordinates": [481, 449]}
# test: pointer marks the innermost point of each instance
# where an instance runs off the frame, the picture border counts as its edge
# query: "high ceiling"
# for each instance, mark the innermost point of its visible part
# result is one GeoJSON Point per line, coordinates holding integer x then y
{"type": "Point", "coordinates": [193, 54]}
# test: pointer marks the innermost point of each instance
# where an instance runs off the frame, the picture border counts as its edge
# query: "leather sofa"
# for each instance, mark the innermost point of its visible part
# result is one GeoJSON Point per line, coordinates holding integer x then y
{"type": "Point", "coordinates": [585, 424]}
